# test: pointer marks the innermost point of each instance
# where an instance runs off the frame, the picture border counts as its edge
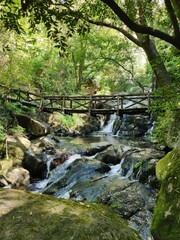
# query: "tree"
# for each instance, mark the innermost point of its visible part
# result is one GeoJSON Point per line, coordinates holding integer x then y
{"type": "Point", "coordinates": [127, 17]}
{"type": "Point", "coordinates": [141, 28]}
{"type": "Point", "coordinates": [68, 12]}
{"type": "Point", "coordinates": [141, 40]}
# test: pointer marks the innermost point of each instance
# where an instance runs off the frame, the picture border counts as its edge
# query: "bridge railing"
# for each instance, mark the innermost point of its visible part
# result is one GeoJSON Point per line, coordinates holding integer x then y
{"type": "Point", "coordinates": [98, 103]}
{"type": "Point", "coordinates": [92, 104]}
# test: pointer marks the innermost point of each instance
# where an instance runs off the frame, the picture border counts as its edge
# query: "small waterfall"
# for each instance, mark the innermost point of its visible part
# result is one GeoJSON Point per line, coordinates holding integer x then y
{"type": "Point", "coordinates": [108, 128]}
{"type": "Point", "coordinates": [62, 169]}
{"type": "Point", "coordinates": [116, 169]}
{"type": "Point", "coordinates": [150, 131]}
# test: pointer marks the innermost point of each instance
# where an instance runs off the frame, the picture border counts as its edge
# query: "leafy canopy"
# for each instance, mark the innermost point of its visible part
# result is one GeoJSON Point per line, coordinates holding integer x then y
{"type": "Point", "coordinates": [75, 16]}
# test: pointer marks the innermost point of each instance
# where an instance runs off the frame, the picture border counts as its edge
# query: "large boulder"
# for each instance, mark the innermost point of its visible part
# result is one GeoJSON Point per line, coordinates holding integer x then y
{"type": "Point", "coordinates": [133, 125]}
{"type": "Point", "coordinates": [173, 135]}
{"type": "Point", "coordinates": [165, 224]}
{"type": "Point", "coordinates": [33, 216]}
{"type": "Point", "coordinates": [18, 177]}
{"type": "Point", "coordinates": [109, 156]}
{"type": "Point", "coordinates": [132, 201]}
{"type": "Point", "coordinates": [34, 127]}
{"type": "Point", "coordinates": [96, 147]}
{"type": "Point", "coordinates": [15, 148]}
{"type": "Point", "coordinates": [90, 125]}
{"type": "Point", "coordinates": [11, 171]}
{"type": "Point", "coordinates": [35, 164]}
{"type": "Point", "coordinates": [79, 173]}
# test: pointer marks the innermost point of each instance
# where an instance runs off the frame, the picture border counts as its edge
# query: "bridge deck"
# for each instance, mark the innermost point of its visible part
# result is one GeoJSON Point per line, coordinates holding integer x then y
{"type": "Point", "coordinates": [92, 105]}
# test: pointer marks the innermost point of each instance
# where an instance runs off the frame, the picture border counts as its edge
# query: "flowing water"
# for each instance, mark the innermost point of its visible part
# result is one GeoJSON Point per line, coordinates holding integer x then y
{"type": "Point", "coordinates": [83, 178]}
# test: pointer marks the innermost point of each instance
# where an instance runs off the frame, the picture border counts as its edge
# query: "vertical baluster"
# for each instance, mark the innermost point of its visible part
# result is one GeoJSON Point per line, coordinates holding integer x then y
{"type": "Point", "coordinates": [90, 105]}
{"type": "Point", "coordinates": [149, 101]}
{"type": "Point", "coordinates": [118, 103]}
{"type": "Point", "coordinates": [41, 105]}
{"type": "Point", "coordinates": [71, 104]}
{"type": "Point", "coordinates": [121, 102]}
{"type": "Point", "coordinates": [63, 104]}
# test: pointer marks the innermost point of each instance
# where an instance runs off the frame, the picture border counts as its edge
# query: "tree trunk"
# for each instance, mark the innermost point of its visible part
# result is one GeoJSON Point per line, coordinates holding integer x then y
{"type": "Point", "coordinates": [176, 4]}
{"type": "Point", "coordinates": [161, 74]}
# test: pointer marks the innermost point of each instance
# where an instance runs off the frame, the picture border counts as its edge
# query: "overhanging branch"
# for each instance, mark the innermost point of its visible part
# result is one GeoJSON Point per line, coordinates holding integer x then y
{"type": "Point", "coordinates": [173, 18]}
{"type": "Point", "coordinates": [174, 40]}
{"type": "Point", "coordinates": [119, 29]}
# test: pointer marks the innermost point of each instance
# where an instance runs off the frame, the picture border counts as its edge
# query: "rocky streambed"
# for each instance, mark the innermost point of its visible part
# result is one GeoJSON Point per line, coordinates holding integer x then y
{"type": "Point", "coordinates": [110, 170]}
{"type": "Point", "coordinates": [100, 169]}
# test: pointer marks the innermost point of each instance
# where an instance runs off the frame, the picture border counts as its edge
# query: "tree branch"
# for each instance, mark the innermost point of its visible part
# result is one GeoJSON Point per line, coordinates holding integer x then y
{"type": "Point", "coordinates": [119, 64]}
{"type": "Point", "coordinates": [119, 29]}
{"type": "Point", "coordinates": [174, 40]}
{"type": "Point", "coordinates": [172, 17]}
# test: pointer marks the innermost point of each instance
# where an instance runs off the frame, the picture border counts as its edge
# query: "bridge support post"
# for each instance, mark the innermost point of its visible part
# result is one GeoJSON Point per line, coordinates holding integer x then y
{"type": "Point", "coordinates": [41, 105]}
{"type": "Point", "coordinates": [149, 102]}
{"type": "Point", "coordinates": [63, 104]}
{"type": "Point", "coordinates": [118, 103]}
{"type": "Point", "coordinates": [90, 105]}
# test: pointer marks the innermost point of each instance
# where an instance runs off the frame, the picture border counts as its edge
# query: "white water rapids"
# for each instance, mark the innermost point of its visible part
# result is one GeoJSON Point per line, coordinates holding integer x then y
{"type": "Point", "coordinates": [66, 179]}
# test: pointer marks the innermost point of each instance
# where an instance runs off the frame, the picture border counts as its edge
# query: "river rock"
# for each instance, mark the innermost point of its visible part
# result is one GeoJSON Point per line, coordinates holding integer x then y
{"type": "Point", "coordinates": [165, 224]}
{"type": "Point", "coordinates": [35, 164]}
{"type": "Point", "coordinates": [18, 177]}
{"type": "Point", "coordinates": [16, 146]}
{"type": "Point", "coordinates": [34, 127]}
{"type": "Point", "coordinates": [90, 125]}
{"type": "Point", "coordinates": [142, 162]}
{"type": "Point", "coordinates": [96, 147]}
{"type": "Point", "coordinates": [5, 166]}
{"type": "Point", "coordinates": [3, 181]}
{"type": "Point", "coordinates": [60, 159]}
{"type": "Point", "coordinates": [45, 217]}
{"type": "Point", "coordinates": [109, 156]}
{"type": "Point", "coordinates": [80, 172]}
{"type": "Point", "coordinates": [15, 176]}
{"type": "Point", "coordinates": [18, 141]}
{"type": "Point", "coordinates": [132, 201]}
{"type": "Point", "coordinates": [116, 125]}
{"type": "Point", "coordinates": [133, 125]}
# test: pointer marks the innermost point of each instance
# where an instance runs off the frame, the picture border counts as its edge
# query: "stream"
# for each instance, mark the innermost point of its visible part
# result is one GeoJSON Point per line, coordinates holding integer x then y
{"type": "Point", "coordinates": [104, 168]}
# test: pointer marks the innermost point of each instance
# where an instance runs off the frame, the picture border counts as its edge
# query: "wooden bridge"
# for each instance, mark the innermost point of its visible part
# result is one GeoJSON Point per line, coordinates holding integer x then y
{"type": "Point", "coordinates": [92, 105]}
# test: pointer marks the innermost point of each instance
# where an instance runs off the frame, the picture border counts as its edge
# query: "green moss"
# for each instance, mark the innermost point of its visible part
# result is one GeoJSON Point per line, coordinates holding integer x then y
{"type": "Point", "coordinates": [137, 166]}
{"type": "Point", "coordinates": [28, 216]}
{"type": "Point", "coordinates": [166, 219]}
{"type": "Point", "coordinates": [5, 166]}
{"type": "Point", "coordinates": [116, 205]}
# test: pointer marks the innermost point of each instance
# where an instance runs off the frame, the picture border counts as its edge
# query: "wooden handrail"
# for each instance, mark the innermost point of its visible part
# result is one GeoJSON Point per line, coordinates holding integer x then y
{"type": "Point", "coordinates": [91, 104]}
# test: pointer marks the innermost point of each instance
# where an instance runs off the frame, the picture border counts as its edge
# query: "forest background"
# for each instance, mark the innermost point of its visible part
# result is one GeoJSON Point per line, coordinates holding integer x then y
{"type": "Point", "coordinates": [72, 47]}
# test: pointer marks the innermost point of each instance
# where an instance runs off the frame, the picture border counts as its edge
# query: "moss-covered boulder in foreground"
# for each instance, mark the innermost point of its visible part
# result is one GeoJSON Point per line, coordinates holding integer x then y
{"type": "Point", "coordinates": [166, 219]}
{"type": "Point", "coordinates": [28, 216]}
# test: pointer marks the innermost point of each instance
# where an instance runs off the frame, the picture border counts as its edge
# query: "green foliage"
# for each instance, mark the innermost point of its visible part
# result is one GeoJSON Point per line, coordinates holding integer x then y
{"type": "Point", "coordinates": [69, 122]}
{"type": "Point", "coordinates": [8, 123]}
{"type": "Point", "coordinates": [17, 130]}
{"type": "Point", "coordinates": [173, 63]}
{"type": "Point", "coordinates": [164, 109]}
{"type": "Point", "coordinates": [2, 131]}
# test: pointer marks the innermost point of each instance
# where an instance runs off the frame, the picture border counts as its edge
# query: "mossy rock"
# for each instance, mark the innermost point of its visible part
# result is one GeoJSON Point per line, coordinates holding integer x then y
{"type": "Point", "coordinates": [166, 219]}
{"type": "Point", "coordinates": [5, 166]}
{"type": "Point", "coordinates": [29, 216]}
